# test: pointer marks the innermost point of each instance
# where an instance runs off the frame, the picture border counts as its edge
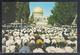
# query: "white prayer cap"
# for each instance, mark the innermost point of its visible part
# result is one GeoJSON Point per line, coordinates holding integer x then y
{"type": "Point", "coordinates": [15, 29]}
{"type": "Point", "coordinates": [75, 42]}
{"type": "Point", "coordinates": [25, 41]}
{"type": "Point", "coordinates": [21, 30]}
{"type": "Point", "coordinates": [32, 37]}
{"type": "Point", "coordinates": [53, 41]}
{"type": "Point", "coordinates": [21, 34]}
{"type": "Point", "coordinates": [42, 36]}
{"type": "Point", "coordinates": [26, 35]}
{"type": "Point", "coordinates": [14, 34]}
{"type": "Point", "coordinates": [27, 38]}
{"type": "Point", "coordinates": [22, 37]}
{"type": "Point", "coordinates": [32, 41]}
{"type": "Point", "coordinates": [25, 31]}
{"type": "Point", "coordinates": [18, 42]}
{"type": "Point", "coordinates": [17, 33]}
{"type": "Point", "coordinates": [11, 37]}
{"type": "Point", "coordinates": [5, 34]}
{"type": "Point", "coordinates": [7, 30]}
{"type": "Point", "coordinates": [47, 41]}
{"type": "Point", "coordinates": [16, 38]}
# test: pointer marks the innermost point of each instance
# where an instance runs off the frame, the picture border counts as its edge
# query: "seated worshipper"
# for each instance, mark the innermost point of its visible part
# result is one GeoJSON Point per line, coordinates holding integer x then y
{"type": "Point", "coordinates": [47, 42]}
{"type": "Point", "coordinates": [43, 31]}
{"type": "Point", "coordinates": [18, 41]}
{"type": "Point", "coordinates": [16, 48]}
{"type": "Point", "coordinates": [6, 37]}
{"type": "Point", "coordinates": [36, 32]}
{"type": "Point", "coordinates": [71, 44]}
{"type": "Point", "coordinates": [60, 41]}
{"type": "Point", "coordinates": [75, 48]}
{"type": "Point", "coordinates": [23, 40]}
{"type": "Point", "coordinates": [32, 44]}
{"type": "Point", "coordinates": [68, 49]}
{"type": "Point", "coordinates": [38, 50]}
{"type": "Point", "coordinates": [31, 37]}
{"type": "Point", "coordinates": [14, 34]}
{"type": "Point", "coordinates": [50, 49]}
{"type": "Point", "coordinates": [3, 49]}
{"type": "Point", "coordinates": [59, 50]}
{"type": "Point", "coordinates": [43, 36]}
{"type": "Point", "coordinates": [72, 38]}
{"type": "Point", "coordinates": [25, 49]}
{"type": "Point", "coordinates": [12, 48]}
{"type": "Point", "coordinates": [7, 49]}
{"type": "Point", "coordinates": [65, 34]}
{"type": "Point", "coordinates": [53, 42]}
{"type": "Point", "coordinates": [39, 41]}
{"type": "Point", "coordinates": [9, 42]}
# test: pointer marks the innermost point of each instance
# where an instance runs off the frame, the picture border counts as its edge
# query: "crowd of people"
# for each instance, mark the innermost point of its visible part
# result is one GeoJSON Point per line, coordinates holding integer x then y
{"type": "Point", "coordinates": [40, 40]}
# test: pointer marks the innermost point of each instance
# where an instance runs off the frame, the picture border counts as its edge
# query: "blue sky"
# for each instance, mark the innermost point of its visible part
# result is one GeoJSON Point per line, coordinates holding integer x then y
{"type": "Point", "coordinates": [47, 6]}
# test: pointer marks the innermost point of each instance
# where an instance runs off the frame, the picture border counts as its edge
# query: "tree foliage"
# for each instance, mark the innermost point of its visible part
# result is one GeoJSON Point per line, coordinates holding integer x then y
{"type": "Point", "coordinates": [63, 13]}
{"type": "Point", "coordinates": [8, 12]}
{"type": "Point", "coordinates": [12, 11]}
{"type": "Point", "coordinates": [22, 11]}
{"type": "Point", "coordinates": [31, 19]}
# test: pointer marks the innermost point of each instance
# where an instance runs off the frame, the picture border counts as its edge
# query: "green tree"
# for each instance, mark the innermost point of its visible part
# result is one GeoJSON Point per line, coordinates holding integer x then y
{"type": "Point", "coordinates": [8, 12]}
{"type": "Point", "coordinates": [63, 13]}
{"type": "Point", "coordinates": [31, 19]}
{"type": "Point", "coordinates": [22, 11]}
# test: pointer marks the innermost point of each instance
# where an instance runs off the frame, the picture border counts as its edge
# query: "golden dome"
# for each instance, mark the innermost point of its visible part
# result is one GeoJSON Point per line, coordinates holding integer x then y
{"type": "Point", "coordinates": [38, 10]}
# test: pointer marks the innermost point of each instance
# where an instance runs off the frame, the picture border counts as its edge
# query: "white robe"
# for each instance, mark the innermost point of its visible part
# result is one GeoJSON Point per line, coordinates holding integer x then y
{"type": "Point", "coordinates": [12, 48]}
{"type": "Point", "coordinates": [38, 50]}
{"type": "Point", "coordinates": [50, 49]}
{"type": "Point", "coordinates": [68, 50]}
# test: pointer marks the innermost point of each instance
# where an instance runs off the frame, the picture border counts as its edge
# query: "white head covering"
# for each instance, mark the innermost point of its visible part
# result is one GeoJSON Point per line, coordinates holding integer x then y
{"type": "Point", "coordinates": [68, 49]}
{"type": "Point", "coordinates": [38, 50]}
{"type": "Point", "coordinates": [69, 42]}
{"type": "Point", "coordinates": [32, 37]}
{"type": "Point", "coordinates": [50, 49]}
{"type": "Point", "coordinates": [47, 41]}
{"type": "Point", "coordinates": [11, 37]}
{"type": "Point", "coordinates": [32, 41]}
{"type": "Point", "coordinates": [53, 41]}
{"type": "Point", "coordinates": [18, 41]}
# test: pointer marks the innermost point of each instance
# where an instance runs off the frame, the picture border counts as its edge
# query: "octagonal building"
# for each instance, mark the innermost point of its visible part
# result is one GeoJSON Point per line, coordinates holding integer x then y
{"type": "Point", "coordinates": [39, 19]}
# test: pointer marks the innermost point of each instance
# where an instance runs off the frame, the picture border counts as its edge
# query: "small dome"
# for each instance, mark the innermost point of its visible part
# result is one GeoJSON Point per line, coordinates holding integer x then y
{"type": "Point", "coordinates": [38, 10]}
